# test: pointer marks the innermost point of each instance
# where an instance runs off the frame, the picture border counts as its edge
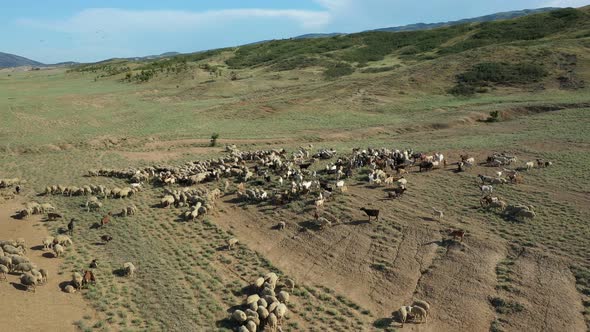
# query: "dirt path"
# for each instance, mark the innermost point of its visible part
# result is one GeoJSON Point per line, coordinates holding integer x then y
{"type": "Point", "coordinates": [547, 289]}
{"type": "Point", "coordinates": [48, 309]}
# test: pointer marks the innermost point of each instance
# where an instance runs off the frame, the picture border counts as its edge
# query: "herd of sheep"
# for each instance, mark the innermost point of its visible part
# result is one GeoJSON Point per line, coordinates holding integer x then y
{"type": "Point", "coordinates": [263, 175]}
{"type": "Point", "coordinates": [265, 306]}
{"type": "Point", "coordinates": [14, 260]}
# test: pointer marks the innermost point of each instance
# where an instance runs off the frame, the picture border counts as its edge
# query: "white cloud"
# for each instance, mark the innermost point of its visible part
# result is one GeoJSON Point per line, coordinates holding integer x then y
{"type": "Point", "coordinates": [120, 21]}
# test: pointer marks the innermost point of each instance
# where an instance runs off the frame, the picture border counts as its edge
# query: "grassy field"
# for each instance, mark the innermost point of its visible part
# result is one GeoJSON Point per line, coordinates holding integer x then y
{"type": "Point", "coordinates": [57, 124]}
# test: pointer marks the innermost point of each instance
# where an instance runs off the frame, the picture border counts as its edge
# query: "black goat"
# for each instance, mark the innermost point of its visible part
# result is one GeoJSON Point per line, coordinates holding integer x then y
{"type": "Point", "coordinates": [371, 213]}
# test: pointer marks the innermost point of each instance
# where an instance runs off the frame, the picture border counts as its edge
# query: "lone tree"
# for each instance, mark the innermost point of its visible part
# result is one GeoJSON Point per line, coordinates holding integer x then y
{"type": "Point", "coordinates": [214, 138]}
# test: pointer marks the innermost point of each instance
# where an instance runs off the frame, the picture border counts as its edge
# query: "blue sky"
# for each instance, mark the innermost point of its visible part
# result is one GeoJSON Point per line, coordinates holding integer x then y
{"type": "Point", "coordinates": [91, 30]}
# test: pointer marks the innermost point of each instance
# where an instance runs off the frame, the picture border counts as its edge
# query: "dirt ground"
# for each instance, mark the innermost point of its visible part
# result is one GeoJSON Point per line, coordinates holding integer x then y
{"type": "Point", "coordinates": [457, 278]}
{"type": "Point", "coordinates": [48, 309]}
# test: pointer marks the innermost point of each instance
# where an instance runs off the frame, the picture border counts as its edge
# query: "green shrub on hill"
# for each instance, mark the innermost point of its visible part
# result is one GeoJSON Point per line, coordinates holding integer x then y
{"type": "Point", "coordinates": [491, 73]}
{"type": "Point", "coordinates": [338, 69]}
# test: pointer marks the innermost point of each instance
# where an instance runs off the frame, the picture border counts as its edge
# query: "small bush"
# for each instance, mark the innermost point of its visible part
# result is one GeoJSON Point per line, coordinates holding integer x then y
{"type": "Point", "coordinates": [214, 138]}
{"type": "Point", "coordinates": [504, 306]}
{"type": "Point", "coordinates": [494, 116]}
{"type": "Point", "coordinates": [379, 69]}
{"type": "Point", "coordinates": [338, 70]}
{"type": "Point", "coordinates": [462, 89]}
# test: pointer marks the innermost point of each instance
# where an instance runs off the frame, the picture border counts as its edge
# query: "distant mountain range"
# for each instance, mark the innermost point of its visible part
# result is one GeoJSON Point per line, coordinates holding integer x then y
{"type": "Point", "coordinates": [8, 60]}
{"type": "Point", "coordinates": [428, 26]}
{"type": "Point", "coordinates": [11, 60]}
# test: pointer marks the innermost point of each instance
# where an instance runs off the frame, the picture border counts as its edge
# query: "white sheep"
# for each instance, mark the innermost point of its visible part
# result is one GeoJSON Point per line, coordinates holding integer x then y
{"type": "Point", "coordinates": [239, 316]}
{"type": "Point", "coordinates": [417, 311]}
{"type": "Point", "coordinates": [272, 322]}
{"type": "Point", "coordinates": [23, 267]}
{"type": "Point", "coordinates": [250, 325]}
{"type": "Point", "coordinates": [62, 240]}
{"type": "Point", "coordinates": [129, 269]}
{"type": "Point", "coordinates": [16, 259]}
{"type": "Point", "coordinates": [48, 242]}
{"type": "Point", "coordinates": [272, 279]}
{"type": "Point", "coordinates": [257, 284]}
{"type": "Point", "coordinates": [253, 299]}
{"type": "Point", "coordinates": [43, 275]}
{"type": "Point", "coordinates": [280, 312]}
{"type": "Point", "coordinates": [69, 289]}
{"type": "Point", "coordinates": [262, 312]}
{"type": "Point", "coordinates": [283, 297]}
{"type": "Point", "coordinates": [232, 242]}
{"type": "Point", "coordinates": [423, 304]}
{"type": "Point", "coordinates": [10, 249]}
{"type": "Point", "coordinates": [3, 271]}
{"type": "Point", "coordinates": [29, 281]}
{"type": "Point", "coordinates": [6, 261]}
{"type": "Point", "coordinates": [58, 250]}
{"type": "Point", "coordinates": [402, 315]}
{"type": "Point", "coordinates": [77, 280]}
{"type": "Point", "coordinates": [290, 284]}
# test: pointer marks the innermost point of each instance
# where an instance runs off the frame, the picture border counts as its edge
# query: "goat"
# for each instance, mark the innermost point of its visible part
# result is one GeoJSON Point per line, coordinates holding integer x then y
{"type": "Point", "coordinates": [396, 193]}
{"type": "Point", "coordinates": [71, 226]}
{"type": "Point", "coordinates": [427, 165]}
{"type": "Point", "coordinates": [106, 238]}
{"type": "Point", "coordinates": [457, 234]}
{"type": "Point", "coordinates": [371, 213]}
{"type": "Point", "coordinates": [88, 278]}
{"type": "Point", "coordinates": [437, 213]}
{"type": "Point", "coordinates": [486, 189]}
{"type": "Point", "coordinates": [106, 219]}
{"type": "Point", "coordinates": [53, 216]}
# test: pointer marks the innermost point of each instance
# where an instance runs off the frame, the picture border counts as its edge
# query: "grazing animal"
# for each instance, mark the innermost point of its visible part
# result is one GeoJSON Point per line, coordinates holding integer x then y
{"type": "Point", "coordinates": [457, 234]}
{"type": "Point", "coordinates": [402, 315]}
{"type": "Point", "coordinates": [88, 278]}
{"type": "Point", "coordinates": [426, 165]}
{"type": "Point", "coordinates": [529, 165]}
{"type": "Point", "coordinates": [486, 189]}
{"type": "Point", "coordinates": [94, 264]}
{"type": "Point", "coordinates": [3, 272]}
{"type": "Point", "coordinates": [71, 226]}
{"type": "Point", "coordinates": [105, 220]}
{"type": "Point", "coordinates": [53, 216]}
{"type": "Point", "coordinates": [29, 281]}
{"type": "Point", "coordinates": [422, 304]}
{"type": "Point", "coordinates": [319, 203]}
{"type": "Point", "coordinates": [129, 269]}
{"type": "Point", "coordinates": [437, 213]}
{"type": "Point", "coordinates": [418, 311]}
{"type": "Point", "coordinates": [106, 238]}
{"type": "Point", "coordinates": [371, 213]}
{"type": "Point", "coordinates": [232, 242]}
{"type": "Point", "coordinates": [396, 193]}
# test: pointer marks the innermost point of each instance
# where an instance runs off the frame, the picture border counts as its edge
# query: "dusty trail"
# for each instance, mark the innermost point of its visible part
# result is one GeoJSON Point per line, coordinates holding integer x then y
{"type": "Point", "coordinates": [48, 309]}
{"type": "Point", "coordinates": [547, 289]}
